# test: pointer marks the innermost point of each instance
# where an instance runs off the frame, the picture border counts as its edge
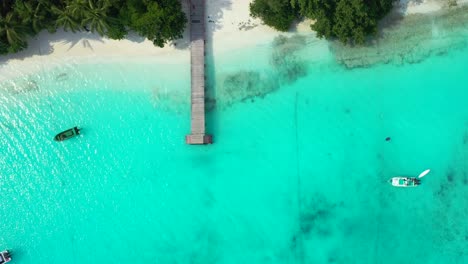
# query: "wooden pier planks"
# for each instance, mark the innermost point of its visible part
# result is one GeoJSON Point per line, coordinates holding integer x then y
{"type": "Point", "coordinates": [197, 83]}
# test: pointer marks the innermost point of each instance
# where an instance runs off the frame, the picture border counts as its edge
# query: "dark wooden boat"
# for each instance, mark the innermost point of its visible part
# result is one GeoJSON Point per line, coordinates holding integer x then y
{"type": "Point", "coordinates": [67, 134]}
{"type": "Point", "coordinates": [5, 256]}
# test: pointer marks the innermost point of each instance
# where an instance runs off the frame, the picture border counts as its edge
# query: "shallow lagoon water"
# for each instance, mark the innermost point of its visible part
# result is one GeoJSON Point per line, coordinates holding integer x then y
{"type": "Point", "coordinates": [298, 172]}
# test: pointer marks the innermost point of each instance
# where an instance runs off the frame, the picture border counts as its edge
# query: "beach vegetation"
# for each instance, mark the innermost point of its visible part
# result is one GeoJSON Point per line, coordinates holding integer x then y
{"type": "Point", "coordinates": [350, 21]}
{"type": "Point", "coordinates": [35, 14]}
{"type": "Point", "coordinates": [65, 19]}
{"type": "Point", "coordinates": [160, 21]}
{"type": "Point", "coordinates": [12, 33]}
{"type": "Point", "coordinates": [278, 14]}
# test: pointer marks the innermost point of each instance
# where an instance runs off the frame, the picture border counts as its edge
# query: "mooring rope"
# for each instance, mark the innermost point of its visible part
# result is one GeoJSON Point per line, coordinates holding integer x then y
{"type": "Point", "coordinates": [299, 236]}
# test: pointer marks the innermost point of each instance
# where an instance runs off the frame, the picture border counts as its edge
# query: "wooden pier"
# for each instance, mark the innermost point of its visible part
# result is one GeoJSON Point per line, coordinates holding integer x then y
{"type": "Point", "coordinates": [197, 61]}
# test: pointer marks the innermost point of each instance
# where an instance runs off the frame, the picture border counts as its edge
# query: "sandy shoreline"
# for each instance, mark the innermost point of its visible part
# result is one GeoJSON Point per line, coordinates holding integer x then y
{"type": "Point", "coordinates": [229, 26]}
{"type": "Point", "coordinates": [409, 7]}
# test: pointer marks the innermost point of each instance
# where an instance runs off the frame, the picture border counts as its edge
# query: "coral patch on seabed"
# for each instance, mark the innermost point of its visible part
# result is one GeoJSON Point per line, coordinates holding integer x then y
{"type": "Point", "coordinates": [316, 221]}
{"type": "Point", "coordinates": [286, 59]}
{"type": "Point", "coordinates": [243, 86]}
{"type": "Point", "coordinates": [315, 214]}
{"type": "Point", "coordinates": [287, 66]}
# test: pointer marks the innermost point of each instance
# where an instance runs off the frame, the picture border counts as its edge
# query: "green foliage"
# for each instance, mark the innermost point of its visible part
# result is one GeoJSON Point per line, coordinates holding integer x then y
{"type": "Point", "coordinates": [158, 20]}
{"type": "Point", "coordinates": [278, 14]}
{"type": "Point", "coordinates": [12, 32]}
{"type": "Point", "coordinates": [94, 16]}
{"type": "Point", "coordinates": [33, 13]}
{"type": "Point", "coordinates": [66, 19]}
{"type": "Point", "coordinates": [117, 30]}
{"type": "Point", "coordinates": [351, 21]}
{"type": "Point", "coordinates": [3, 47]}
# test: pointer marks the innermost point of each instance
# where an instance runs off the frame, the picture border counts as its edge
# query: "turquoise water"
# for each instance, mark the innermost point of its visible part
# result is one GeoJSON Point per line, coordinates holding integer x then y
{"type": "Point", "coordinates": [298, 172]}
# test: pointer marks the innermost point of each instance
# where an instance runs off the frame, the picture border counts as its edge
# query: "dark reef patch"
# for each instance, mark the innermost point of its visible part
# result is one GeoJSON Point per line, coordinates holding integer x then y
{"type": "Point", "coordinates": [244, 86]}
{"type": "Point", "coordinates": [315, 215]}
{"type": "Point", "coordinates": [286, 60]}
{"type": "Point", "coordinates": [450, 175]}
{"type": "Point", "coordinates": [287, 66]}
{"type": "Point", "coordinates": [309, 219]}
{"type": "Point", "coordinates": [442, 191]}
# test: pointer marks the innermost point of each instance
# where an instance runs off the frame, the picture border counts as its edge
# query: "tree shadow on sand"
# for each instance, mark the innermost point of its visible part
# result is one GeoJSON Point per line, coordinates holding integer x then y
{"type": "Point", "coordinates": [214, 12]}
{"type": "Point", "coordinates": [42, 44]}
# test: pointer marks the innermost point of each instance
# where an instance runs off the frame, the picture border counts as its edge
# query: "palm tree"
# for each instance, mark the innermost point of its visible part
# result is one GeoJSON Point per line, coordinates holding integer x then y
{"type": "Point", "coordinates": [36, 15]}
{"type": "Point", "coordinates": [66, 19]}
{"type": "Point", "coordinates": [78, 8]}
{"type": "Point", "coordinates": [90, 14]}
{"type": "Point", "coordinates": [13, 30]}
{"type": "Point", "coordinates": [6, 6]}
{"type": "Point", "coordinates": [95, 17]}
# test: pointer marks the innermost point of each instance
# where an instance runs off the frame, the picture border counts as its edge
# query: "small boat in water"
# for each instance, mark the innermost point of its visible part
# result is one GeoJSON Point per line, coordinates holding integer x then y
{"type": "Point", "coordinates": [405, 181]}
{"type": "Point", "coordinates": [5, 256]}
{"type": "Point", "coordinates": [67, 134]}
{"type": "Point", "coordinates": [401, 181]}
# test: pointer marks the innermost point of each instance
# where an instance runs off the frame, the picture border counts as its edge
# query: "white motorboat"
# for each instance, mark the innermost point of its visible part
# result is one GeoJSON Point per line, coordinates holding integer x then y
{"type": "Point", "coordinates": [405, 181]}
{"type": "Point", "coordinates": [402, 181]}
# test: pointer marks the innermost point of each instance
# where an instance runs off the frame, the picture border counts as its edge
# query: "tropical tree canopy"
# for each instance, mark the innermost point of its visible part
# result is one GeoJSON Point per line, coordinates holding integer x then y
{"type": "Point", "coordinates": [158, 20]}
{"type": "Point", "coordinates": [278, 14]}
{"type": "Point", "coordinates": [350, 21]}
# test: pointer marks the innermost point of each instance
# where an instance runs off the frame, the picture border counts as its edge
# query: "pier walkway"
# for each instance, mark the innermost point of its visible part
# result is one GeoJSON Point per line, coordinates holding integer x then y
{"type": "Point", "coordinates": [197, 61]}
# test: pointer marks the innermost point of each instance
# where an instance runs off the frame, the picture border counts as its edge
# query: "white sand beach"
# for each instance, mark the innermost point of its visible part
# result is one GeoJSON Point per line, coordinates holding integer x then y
{"type": "Point", "coordinates": [229, 26]}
